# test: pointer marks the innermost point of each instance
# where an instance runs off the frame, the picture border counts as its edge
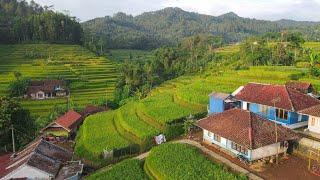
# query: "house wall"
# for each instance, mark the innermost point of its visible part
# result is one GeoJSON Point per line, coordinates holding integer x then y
{"type": "Point", "coordinates": [267, 151]}
{"type": "Point", "coordinates": [29, 172]}
{"type": "Point", "coordinates": [314, 124]}
{"type": "Point", "coordinates": [216, 105]}
{"type": "Point", "coordinates": [293, 117]}
{"type": "Point", "coordinates": [225, 143]}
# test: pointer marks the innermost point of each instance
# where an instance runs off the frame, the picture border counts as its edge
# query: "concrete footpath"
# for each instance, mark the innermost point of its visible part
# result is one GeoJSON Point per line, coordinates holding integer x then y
{"type": "Point", "coordinates": [214, 155]}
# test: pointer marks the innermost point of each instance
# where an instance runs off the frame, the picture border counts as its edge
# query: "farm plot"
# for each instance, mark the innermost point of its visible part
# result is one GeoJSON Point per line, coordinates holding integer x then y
{"type": "Point", "coordinates": [132, 126]}
{"type": "Point", "coordinates": [228, 81]}
{"type": "Point", "coordinates": [92, 78]}
{"type": "Point", "coordinates": [182, 161]}
{"type": "Point", "coordinates": [163, 109]}
{"type": "Point", "coordinates": [98, 133]}
{"type": "Point", "coordinates": [127, 169]}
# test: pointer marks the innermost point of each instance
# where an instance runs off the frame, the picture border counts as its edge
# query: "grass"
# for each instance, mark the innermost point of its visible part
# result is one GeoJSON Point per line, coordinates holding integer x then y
{"type": "Point", "coordinates": [125, 170]}
{"type": "Point", "coordinates": [163, 109]}
{"type": "Point", "coordinates": [131, 55]}
{"type": "Point", "coordinates": [88, 73]}
{"type": "Point", "coordinates": [97, 134]}
{"type": "Point", "coordinates": [182, 161]}
{"type": "Point", "coordinates": [129, 120]}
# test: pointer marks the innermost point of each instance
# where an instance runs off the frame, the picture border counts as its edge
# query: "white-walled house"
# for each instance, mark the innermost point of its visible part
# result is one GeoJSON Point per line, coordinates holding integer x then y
{"type": "Point", "coordinates": [245, 133]}
{"type": "Point", "coordinates": [314, 118]}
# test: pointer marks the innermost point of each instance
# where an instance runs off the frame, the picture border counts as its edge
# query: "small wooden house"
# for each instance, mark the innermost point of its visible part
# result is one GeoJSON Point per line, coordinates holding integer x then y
{"type": "Point", "coordinates": [46, 89]}
{"type": "Point", "coordinates": [65, 125]}
{"type": "Point", "coordinates": [242, 132]}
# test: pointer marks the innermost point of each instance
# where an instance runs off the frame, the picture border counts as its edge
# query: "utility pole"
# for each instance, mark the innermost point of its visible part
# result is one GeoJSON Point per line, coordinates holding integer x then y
{"type": "Point", "coordinates": [276, 99]}
{"type": "Point", "coordinates": [12, 135]}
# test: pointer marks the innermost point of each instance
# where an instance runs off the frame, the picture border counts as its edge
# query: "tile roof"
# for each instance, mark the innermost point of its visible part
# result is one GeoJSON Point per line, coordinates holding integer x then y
{"type": "Point", "coordinates": [45, 85]}
{"type": "Point", "coordinates": [70, 169]}
{"type": "Point", "coordinates": [288, 98]}
{"type": "Point", "coordinates": [68, 119]}
{"type": "Point", "coordinates": [313, 111]}
{"type": "Point", "coordinates": [245, 128]}
{"type": "Point", "coordinates": [40, 154]}
{"type": "Point", "coordinates": [303, 87]}
{"type": "Point", "coordinates": [220, 95]}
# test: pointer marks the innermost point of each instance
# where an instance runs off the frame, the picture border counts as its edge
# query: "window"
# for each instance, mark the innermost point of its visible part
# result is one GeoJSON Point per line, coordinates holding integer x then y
{"type": "Point", "coordinates": [217, 138]}
{"type": "Point", "coordinates": [248, 106]}
{"type": "Point", "coordinates": [264, 109]}
{"type": "Point", "coordinates": [239, 148]}
{"type": "Point", "coordinates": [313, 121]}
{"type": "Point", "coordinates": [282, 114]}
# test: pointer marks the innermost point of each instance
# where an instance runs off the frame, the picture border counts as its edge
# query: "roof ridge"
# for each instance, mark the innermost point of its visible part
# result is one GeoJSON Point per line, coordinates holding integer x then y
{"type": "Point", "coordinates": [293, 108]}
{"type": "Point", "coordinates": [250, 130]}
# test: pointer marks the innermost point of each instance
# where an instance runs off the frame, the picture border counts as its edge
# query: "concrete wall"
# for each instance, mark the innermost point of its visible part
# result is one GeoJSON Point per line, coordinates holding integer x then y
{"type": "Point", "coordinates": [314, 124]}
{"type": "Point", "coordinates": [216, 105]}
{"type": "Point", "coordinates": [29, 172]}
{"type": "Point", "coordinates": [266, 151]}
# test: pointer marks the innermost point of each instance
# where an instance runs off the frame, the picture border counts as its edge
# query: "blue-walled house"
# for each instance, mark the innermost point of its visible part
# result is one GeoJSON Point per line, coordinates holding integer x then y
{"type": "Point", "coordinates": [278, 103]}
{"type": "Point", "coordinates": [219, 102]}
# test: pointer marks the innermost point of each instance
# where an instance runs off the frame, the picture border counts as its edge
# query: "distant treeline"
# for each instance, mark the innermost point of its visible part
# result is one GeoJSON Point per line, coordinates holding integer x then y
{"type": "Point", "coordinates": [21, 21]}
{"type": "Point", "coordinates": [170, 25]}
{"type": "Point", "coordinates": [190, 56]}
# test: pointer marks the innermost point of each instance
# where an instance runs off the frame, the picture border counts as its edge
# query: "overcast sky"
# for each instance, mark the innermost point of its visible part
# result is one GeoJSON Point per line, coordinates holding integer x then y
{"type": "Point", "coordinates": [308, 10]}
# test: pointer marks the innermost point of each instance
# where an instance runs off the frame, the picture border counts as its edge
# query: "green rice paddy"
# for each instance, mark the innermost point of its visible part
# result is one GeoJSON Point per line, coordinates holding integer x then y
{"type": "Point", "coordinates": [93, 78]}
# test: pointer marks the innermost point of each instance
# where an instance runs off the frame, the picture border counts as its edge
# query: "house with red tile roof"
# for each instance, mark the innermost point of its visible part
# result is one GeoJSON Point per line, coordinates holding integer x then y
{"type": "Point", "coordinates": [279, 103]}
{"type": "Point", "coordinates": [65, 125]}
{"type": "Point", "coordinates": [39, 160]}
{"type": "Point", "coordinates": [245, 133]}
{"type": "Point", "coordinates": [314, 118]}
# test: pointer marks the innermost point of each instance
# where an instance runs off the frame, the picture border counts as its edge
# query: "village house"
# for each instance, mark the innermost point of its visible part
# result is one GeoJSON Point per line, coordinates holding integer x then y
{"type": "Point", "coordinates": [278, 103]}
{"type": "Point", "coordinates": [40, 160]}
{"type": "Point", "coordinates": [245, 133]}
{"type": "Point", "coordinates": [46, 89]}
{"type": "Point", "coordinates": [65, 126]}
{"type": "Point", "coordinates": [314, 118]}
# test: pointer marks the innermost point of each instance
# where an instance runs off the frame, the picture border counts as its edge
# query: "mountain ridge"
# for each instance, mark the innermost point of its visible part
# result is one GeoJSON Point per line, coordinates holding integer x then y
{"type": "Point", "coordinates": [169, 25]}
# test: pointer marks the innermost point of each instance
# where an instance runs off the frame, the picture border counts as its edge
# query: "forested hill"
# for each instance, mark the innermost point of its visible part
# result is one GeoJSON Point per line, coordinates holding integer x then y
{"type": "Point", "coordinates": [29, 22]}
{"type": "Point", "coordinates": [165, 27]}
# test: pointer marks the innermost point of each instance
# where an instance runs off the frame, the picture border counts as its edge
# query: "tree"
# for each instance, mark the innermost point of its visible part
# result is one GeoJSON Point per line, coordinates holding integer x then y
{"type": "Point", "coordinates": [18, 87]}
{"type": "Point", "coordinates": [13, 115]}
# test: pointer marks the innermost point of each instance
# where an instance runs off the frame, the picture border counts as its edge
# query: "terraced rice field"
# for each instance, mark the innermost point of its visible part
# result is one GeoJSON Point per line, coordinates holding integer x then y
{"type": "Point", "coordinates": [125, 170]}
{"type": "Point", "coordinates": [92, 78]}
{"type": "Point", "coordinates": [182, 161]}
{"type": "Point", "coordinates": [138, 121]}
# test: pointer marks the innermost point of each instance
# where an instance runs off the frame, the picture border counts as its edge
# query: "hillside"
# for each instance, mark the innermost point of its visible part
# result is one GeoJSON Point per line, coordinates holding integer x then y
{"type": "Point", "coordinates": [27, 21]}
{"type": "Point", "coordinates": [91, 78]}
{"type": "Point", "coordinates": [139, 120]}
{"type": "Point", "coordinates": [169, 25]}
